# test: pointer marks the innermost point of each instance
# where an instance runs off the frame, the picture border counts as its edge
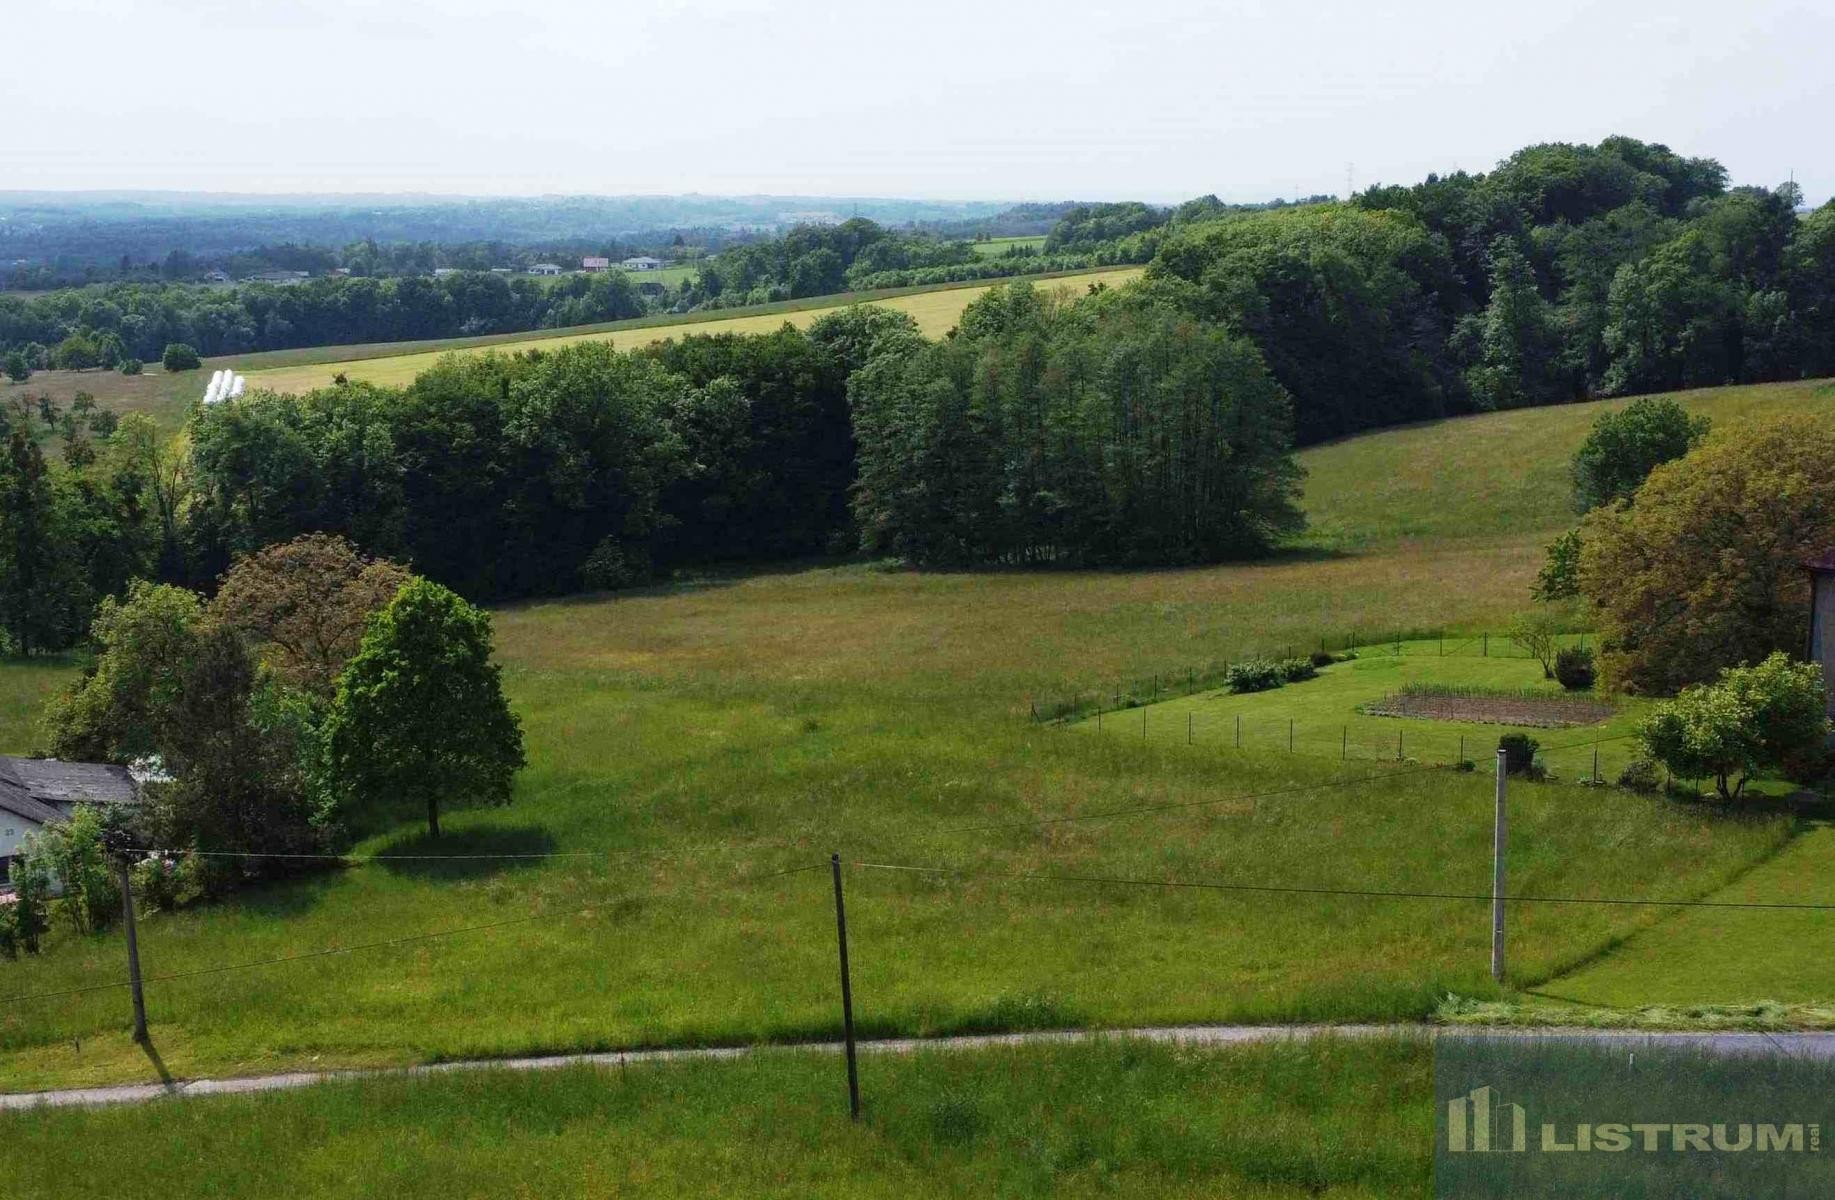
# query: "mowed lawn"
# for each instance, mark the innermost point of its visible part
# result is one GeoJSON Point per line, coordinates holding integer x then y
{"type": "Point", "coordinates": [686, 738]}
{"type": "Point", "coordinates": [936, 312]}
{"type": "Point", "coordinates": [1325, 717]}
{"type": "Point", "coordinates": [1124, 1119]}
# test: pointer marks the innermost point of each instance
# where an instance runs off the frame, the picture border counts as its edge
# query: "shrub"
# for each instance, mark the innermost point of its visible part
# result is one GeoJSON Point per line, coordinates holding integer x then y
{"type": "Point", "coordinates": [1574, 668]}
{"type": "Point", "coordinates": [180, 357]}
{"type": "Point", "coordinates": [1519, 752]}
{"type": "Point", "coordinates": [130, 366]}
{"type": "Point", "coordinates": [1256, 675]}
{"type": "Point", "coordinates": [1640, 776]}
{"type": "Point", "coordinates": [1753, 719]}
{"type": "Point", "coordinates": [17, 367]}
{"type": "Point", "coordinates": [1321, 658]}
{"type": "Point", "coordinates": [1293, 670]}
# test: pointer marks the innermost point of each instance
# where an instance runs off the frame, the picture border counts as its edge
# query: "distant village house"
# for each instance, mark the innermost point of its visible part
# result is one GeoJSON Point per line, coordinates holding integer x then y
{"type": "Point", "coordinates": [36, 792]}
{"type": "Point", "coordinates": [642, 262]}
{"type": "Point", "coordinates": [545, 269]}
{"type": "Point", "coordinates": [595, 262]}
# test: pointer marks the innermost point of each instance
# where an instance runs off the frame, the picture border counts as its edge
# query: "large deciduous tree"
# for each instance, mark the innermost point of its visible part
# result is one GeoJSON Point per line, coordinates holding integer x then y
{"type": "Point", "coordinates": [1704, 569]}
{"type": "Point", "coordinates": [1626, 445]}
{"type": "Point", "coordinates": [420, 718]}
{"type": "Point", "coordinates": [306, 603]}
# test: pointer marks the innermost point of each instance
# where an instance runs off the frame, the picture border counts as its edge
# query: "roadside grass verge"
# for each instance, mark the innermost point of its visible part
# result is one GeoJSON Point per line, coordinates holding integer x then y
{"type": "Point", "coordinates": [1349, 1118]}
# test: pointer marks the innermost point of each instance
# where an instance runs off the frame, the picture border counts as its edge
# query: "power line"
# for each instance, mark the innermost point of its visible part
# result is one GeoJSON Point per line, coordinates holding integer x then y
{"type": "Point", "coordinates": [406, 939]}
{"type": "Point", "coordinates": [1294, 889]}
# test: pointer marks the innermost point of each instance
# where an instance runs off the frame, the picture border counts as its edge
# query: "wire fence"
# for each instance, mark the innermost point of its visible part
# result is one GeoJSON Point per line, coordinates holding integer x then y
{"type": "Point", "coordinates": [1376, 891]}
{"type": "Point", "coordinates": [1598, 758]}
{"type": "Point", "coordinates": [1167, 685]}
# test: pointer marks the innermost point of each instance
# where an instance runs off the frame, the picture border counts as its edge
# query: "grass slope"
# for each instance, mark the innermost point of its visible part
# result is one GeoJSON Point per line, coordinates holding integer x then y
{"type": "Point", "coordinates": [685, 736]}
{"type": "Point", "coordinates": [1126, 1119]}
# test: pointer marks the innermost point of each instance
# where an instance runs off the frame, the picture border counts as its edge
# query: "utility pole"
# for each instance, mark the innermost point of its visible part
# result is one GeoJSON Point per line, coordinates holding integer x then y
{"type": "Point", "coordinates": [133, 950]}
{"type": "Point", "coordinates": [1500, 842]}
{"type": "Point", "coordinates": [847, 994]}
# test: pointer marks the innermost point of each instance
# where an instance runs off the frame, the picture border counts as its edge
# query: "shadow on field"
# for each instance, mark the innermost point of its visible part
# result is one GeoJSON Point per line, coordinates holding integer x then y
{"type": "Point", "coordinates": [466, 853]}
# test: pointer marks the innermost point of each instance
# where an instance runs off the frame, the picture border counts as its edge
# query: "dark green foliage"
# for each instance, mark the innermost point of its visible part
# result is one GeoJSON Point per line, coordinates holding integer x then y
{"type": "Point", "coordinates": [177, 356]}
{"type": "Point", "coordinates": [1641, 775]}
{"type": "Point", "coordinates": [1559, 578]}
{"type": "Point", "coordinates": [1519, 752]}
{"type": "Point", "coordinates": [1112, 430]}
{"type": "Point", "coordinates": [130, 366]}
{"type": "Point", "coordinates": [43, 598]}
{"type": "Point", "coordinates": [1625, 446]}
{"type": "Point", "coordinates": [16, 366]}
{"type": "Point", "coordinates": [1090, 225]}
{"type": "Point", "coordinates": [420, 719]}
{"type": "Point", "coordinates": [1352, 309]}
{"type": "Point", "coordinates": [1293, 670]}
{"type": "Point", "coordinates": [1256, 675]}
{"type": "Point", "coordinates": [1575, 669]}
{"type": "Point", "coordinates": [1322, 658]}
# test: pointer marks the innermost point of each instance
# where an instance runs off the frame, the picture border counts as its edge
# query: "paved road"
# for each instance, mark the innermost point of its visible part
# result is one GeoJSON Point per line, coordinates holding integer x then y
{"type": "Point", "coordinates": [1809, 1045]}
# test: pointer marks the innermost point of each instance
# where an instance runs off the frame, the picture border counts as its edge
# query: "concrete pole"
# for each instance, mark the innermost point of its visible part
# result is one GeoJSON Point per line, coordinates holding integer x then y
{"type": "Point", "coordinates": [133, 953]}
{"type": "Point", "coordinates": [1500, 843]}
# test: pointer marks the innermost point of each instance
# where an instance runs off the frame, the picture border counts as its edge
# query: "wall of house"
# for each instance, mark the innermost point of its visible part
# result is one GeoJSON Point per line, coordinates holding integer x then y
{"type": "Point", "coordinates": [13, 830]}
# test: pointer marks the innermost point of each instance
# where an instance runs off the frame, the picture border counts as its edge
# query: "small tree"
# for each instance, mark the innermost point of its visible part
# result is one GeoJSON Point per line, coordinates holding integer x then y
{"type": "Point", "coordinates": [1559, 578]}
{"type": "Point", "coordinates": [180, 357]}
{"type": "Point", "coordinates": [18, 369]}
{"type": "Point", "coordinates": [420, 714]}
{"type": "Point", "coordinates": [1624, 447]}
{"type": "Point", "coordinates": [1752, 720]}
{"type": "Point", "coordinates": [1539, 632]}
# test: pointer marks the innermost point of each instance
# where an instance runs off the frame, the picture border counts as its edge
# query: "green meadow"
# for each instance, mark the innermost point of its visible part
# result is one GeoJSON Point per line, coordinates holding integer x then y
{"type": "Point", "coordinates": [685, 740]}
{"type": "Point", "coordinates": [1130, 1119]}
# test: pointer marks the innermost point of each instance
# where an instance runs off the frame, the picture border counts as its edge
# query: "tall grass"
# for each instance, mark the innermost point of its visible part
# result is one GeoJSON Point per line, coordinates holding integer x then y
{"type": "Point", "coordinates": [1274, 1121]}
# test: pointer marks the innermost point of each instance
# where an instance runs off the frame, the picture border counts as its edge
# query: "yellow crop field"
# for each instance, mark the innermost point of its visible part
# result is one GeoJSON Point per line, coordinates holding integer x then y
{"type": "Point", "coordinates": [935, 312]}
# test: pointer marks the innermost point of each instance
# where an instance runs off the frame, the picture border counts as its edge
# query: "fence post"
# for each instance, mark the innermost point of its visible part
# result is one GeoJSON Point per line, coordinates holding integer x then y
{"type": "Point", "coordinates": [1188, 729]}
{"type": "Point", "coordinates": [1239, 731]}
{"type": "Point", "coordinates": [1290, 735]}
{"type": "Point", "coordinates": [1398, 745]}
{"type": "Point", "coordinates": [1462, 747]}
{"type": "Point", "coordinates": [847, 994]}
{"type": "Point", "coordinates": [1595, 762]}
{"type": "Point", "coordinates": [1500, 841]}
{"type": "Point", "coordinates": [133, 951]}
{"type": "Point", "coordinates": [1143, 724]}
{"type": "Point", "coordinates": [1486, 651]}
{"type": "Point", "coordinates": [1344, 742]}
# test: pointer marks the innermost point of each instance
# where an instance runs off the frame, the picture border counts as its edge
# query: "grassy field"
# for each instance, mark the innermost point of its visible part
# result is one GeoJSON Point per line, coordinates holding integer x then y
{"type": "Point", "coordinates": [24, 689]}
{"type": "Point", "coordinates": [996, 247]}
{"type": "Point", "coordinates": [1126, 1119]}
{"type": "Point", "coordinates": [686, 737]}
{"type": "Point", "coordinates": [935, 311]}
{"type": "Point", "coordinates": [1324, 717]}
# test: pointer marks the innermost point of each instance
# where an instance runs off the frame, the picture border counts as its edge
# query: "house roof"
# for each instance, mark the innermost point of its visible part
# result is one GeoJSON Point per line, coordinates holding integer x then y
{"type": "Point", "coordinates": [46, 789]}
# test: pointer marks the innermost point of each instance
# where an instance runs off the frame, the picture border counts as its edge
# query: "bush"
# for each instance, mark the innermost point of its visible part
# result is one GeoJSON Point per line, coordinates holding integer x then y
{"type": "Point", "coordinates": [17, 366]}
{"type": "Point", "coordinates": [1574, 668]}
{"type": "Point", "coordinates": [1293, 670]}
{"type": "Point", "coordinates": [1753, 720]}
{"type": "Point", "coordinates": [1640, 776]}
{"type": "Point", "coordinates": [180, 357]}
{"type": "Point", "coordinates": [1321, 658]}
{"type": "Point", "coordinates": [1519, 752]}
{"type": "Point", "coordinates": [130, 366]}
{"type": "Point", "coordinates": [1256, 675]}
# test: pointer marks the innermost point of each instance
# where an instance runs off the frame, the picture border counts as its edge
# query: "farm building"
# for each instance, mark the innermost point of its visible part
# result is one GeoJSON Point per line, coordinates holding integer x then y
{"type": "Point", "coordinates": [595, 262]}
{"type": "Point", "coordinates": [36, 792]}
{"type": "Point", "coordinates": [642, 262]}
{"type": "Point", "coordinates": [1822, 620]}
{"type": "Point", "coordinates": [545, 269]}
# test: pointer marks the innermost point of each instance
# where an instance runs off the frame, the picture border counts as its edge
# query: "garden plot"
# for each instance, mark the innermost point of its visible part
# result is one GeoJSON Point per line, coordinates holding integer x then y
{"type": "Point", "coordinates": [1459, 705]}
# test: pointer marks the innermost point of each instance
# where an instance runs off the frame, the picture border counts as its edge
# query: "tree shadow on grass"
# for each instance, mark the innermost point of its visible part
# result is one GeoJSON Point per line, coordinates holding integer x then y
{"type": "Point", "coordinates": [466, 853]}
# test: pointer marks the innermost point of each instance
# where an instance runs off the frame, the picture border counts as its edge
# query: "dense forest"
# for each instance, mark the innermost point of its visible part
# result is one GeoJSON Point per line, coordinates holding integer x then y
{"type": "Point", "coordinates": [1153, 423]}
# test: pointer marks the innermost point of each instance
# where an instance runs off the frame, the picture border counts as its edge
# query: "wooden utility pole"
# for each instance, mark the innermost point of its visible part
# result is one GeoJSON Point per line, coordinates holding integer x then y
{"type": "Point", "coordinates": [1500, 842]}
{"type": "Point", "coordinates": [133, 951]}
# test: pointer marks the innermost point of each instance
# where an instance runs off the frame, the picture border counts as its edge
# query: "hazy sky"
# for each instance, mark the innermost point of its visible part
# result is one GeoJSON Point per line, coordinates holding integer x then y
{"type": "Point", "coordinates": [947, 98]}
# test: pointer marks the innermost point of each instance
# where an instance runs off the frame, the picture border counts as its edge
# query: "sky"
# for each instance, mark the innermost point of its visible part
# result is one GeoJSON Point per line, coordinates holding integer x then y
{"type": "Point", "coordinates": [949, 99]}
